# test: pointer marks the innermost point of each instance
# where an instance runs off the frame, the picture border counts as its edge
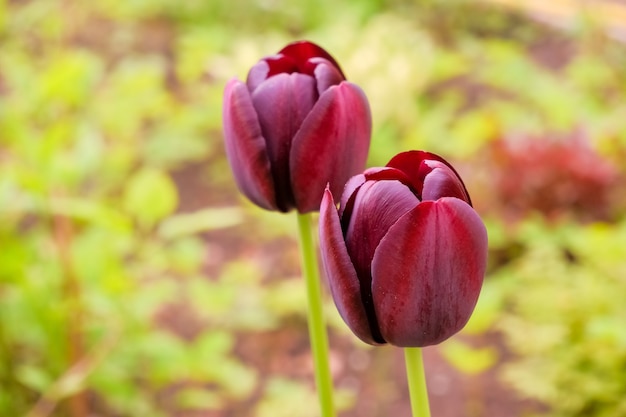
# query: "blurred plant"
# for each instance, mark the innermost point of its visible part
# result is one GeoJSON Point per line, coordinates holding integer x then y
{"type": "Point", "coordinates": [566, 325]}
{"type": "Point", "coordinates": [560, 176]}
{"type": "Point", "coordinates": [92, 245]}
{"type": "Point", "coordinates": [101, 102]}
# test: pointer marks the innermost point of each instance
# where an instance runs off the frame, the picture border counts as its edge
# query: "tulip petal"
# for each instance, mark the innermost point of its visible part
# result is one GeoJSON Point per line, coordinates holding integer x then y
{"type": "Point", "coordinates": [388, 174]}
{"type": "Point", "coordinates": [411, 163]}
{"type": "Point", "coordinates": [342, 279]}
{"type": "Point", "coordinates": [331, 146]}
{"type": "Point", "coordinates": [245, 146]}
{"type": "Point", "coordinates": [282, 102]}
{"type": "Point", "coordinates": [348, 196]}
{"type": "Point", "coordinates": [441, 181]}
{"type": "Point", "coordinates": [326, 75]}
{"type": "Point", "coordinates": [377, 206]}
{"type": "Point", "coordinates": [302, 52]}
{"type": "Point", "coordinates": [427, 272]}
{"type": "Point", "coordinates": [257, 74]}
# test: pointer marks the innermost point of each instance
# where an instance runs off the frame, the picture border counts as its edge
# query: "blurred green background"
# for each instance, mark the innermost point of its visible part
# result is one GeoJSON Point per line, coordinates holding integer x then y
{"type": "Point", "coordinates": [136, 281]}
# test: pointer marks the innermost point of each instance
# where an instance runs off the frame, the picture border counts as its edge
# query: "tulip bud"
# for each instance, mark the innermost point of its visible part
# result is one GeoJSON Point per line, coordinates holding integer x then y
{"type": "Point", "coordinates": [405, 254]}
{"type": "Point", "coordinates": [294, 126]}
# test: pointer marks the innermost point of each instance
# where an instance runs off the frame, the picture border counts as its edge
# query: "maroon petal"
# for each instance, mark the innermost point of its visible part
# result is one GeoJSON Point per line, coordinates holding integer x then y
{"type": "Point", "coordinates": [282, 102]}
{"type": "Point", "coordinates": [303, 51]}
{"type": "Point", "coordinates": [348, 195]}
{"type": "Point", "coordinates": [257, 74]}
{"type": "Point", "coordinates": [427, 272]}
{"type": "Point", "coordinates": [331, 146]}
{"type": "Point", "coordinates": [388, 173]}
{"type": "Point", "coordinates": [441, 181]}
{"type": "Point", "coordinates": [245, 146]}
{"type": "Point", "coordinates": [326, 75]}
{"type": "Point", "coordinates": [278, 64]}
{"type": "Point", "coordinates": [377, 206]}
{"type": "Point", "coordinates": [410, 163]}
{"type": "Point", "coordinates": [342, 279]}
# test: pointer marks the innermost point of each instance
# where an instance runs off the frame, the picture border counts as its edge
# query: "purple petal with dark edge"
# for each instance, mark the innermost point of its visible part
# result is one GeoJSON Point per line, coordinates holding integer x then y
{"type": "Point", "coordinates": [427, 273]}
{"type": "Point", "coordinates": [348, 194]}
{"type": "Point", "coordinates": [256, 75]}
{"type": "Point", "coordinates": [377, 206]}
{"type": "Point", "coordinates": [245, 146]}
{"type": "Point", "coordinates": [441, 181]}
{"type": "Point", "coordinates": [342, 279]}
{"type": "Point", "coordinates": [282, 102]}
{"type": "Point", "coordinates": [410, 163]}
{"type": "Point", "coordinates": [326, 75]}
{"type": "Point", "coordinates": [303, 51]}
{"type": "Point", "coordinates": [331, 146]}
{"type": "Point", "coordinates": [279, 64]}
{"type": "Point", "coordinates": [388, 173]}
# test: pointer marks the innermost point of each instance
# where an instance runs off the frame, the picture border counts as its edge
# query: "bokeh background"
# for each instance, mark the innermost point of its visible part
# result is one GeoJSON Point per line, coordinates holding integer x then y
{"type": "Point", "coordinates": [136, 281]}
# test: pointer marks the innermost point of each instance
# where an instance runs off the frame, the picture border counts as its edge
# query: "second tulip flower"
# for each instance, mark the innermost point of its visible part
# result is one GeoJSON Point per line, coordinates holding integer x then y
{"type": "Point", "coordinates": [406, 253]}
{"type": "Point", "coordinates": [295, 125]}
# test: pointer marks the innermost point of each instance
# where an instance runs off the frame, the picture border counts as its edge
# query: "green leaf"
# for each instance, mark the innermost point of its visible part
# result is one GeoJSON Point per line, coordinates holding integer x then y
{"type": "Point", "coordinates": [89, 211]}
{"type": "Point", "coordinates": [285, 398]}
{"type": "Point", "coordinates": [211, 361]}
{"type": "Point", "coordinates": [213, 345]}
{"type": "Point", "coordinates": [185, 255]}
{"type": "Point", "coordinates": [468, 359]}
{"type": "Point", "coordinates": [150, 195]}
{"type": "Point", "coordinates": [487, 309]}
{"type": "Point", "coordinates": [33, 377]}
{"type": "Point", "coordinates": [286, 297]}
{"type": "Point", "coordinates": [198, 399]}
{"type": "Point", "coordinates": [200, 221]}
{"type": "Point", "coordinates": [238, 380]}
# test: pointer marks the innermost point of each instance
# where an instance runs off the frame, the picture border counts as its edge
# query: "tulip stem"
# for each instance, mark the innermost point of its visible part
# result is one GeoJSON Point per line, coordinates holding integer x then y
{"type": "Point", "coordinates": [317, 327]}
{"type": "Point", "coordinates": [417, 382]}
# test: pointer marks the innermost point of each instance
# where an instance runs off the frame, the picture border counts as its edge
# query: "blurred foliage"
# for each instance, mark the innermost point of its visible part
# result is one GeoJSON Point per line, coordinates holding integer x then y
{"type": "Point", "coordinates": [564, 320]}
{"type": "Point", "coordinates": [129, 266]}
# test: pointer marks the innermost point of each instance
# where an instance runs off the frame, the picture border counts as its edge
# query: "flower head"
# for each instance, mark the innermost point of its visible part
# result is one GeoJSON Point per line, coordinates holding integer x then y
{"type": "Point", "coordinates": [405, 254]}
{"type": "Point", "coordinates": [295, 125]}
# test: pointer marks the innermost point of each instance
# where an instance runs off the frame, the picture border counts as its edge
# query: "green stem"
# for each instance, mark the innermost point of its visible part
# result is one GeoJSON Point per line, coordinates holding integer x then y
{"type": "Point", "coordinates": [317, 327]}
{"type": "Point", "coordinates": [417, 382]}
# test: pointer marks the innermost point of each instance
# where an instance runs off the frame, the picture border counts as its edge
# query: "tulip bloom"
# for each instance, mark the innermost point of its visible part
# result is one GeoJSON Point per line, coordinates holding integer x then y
{"type": "Point", "coordinates": [405, 254]}
{"type": "Point", "coordinates": [294, 126]}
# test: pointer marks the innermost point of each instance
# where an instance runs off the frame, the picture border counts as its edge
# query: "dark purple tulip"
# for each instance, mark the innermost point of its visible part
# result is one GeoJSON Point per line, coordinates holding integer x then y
{"type": "Point", "coordinates": [405, 254]}
{"type": "Point", "coordinates": [293, 127]}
